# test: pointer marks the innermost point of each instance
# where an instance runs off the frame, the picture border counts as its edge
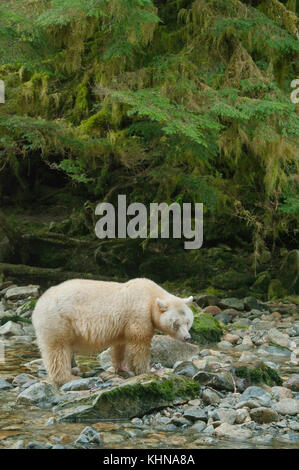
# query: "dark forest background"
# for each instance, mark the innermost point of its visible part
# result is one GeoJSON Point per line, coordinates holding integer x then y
{"type": "Point", "coordinates": [164, 101]}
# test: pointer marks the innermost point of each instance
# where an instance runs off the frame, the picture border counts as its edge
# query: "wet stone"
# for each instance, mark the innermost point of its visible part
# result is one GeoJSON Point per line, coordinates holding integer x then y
{"type": "Point", "coordinates": [88, 439]}
{"type": "Point", "coordinates": [263, 415]}
{"type": "Point", "coordinates": [4, 385]}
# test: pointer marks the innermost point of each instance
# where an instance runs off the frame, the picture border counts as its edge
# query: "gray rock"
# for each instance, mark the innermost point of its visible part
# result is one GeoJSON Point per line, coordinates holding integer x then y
{"type": "Point", "coordinates": [88, 439]}
{"type": "Point", "coordinates": [289, 438]}
{"type": "Point", "coordinates": [274, 351]}
{"type": "Point", "coordinates": [81, 384]}
{"type": "Point", "coordinates": [263, 415]}
{"type": "Point", "coordinates": [167, 351]}
{"type": "Point", "coordinates": [10, 329]}
{"type": "Point", "coordinates": [164, 350]}
{"type": "Point", "coordinates": [40, 394]}
{"type": "Point", "coordinates": [179, 422]}
{"type": "Point", "coordinates": [232, 302]}
{"type": "Point", "coordinates": [292, 383]}
{"type": "Point", "coordinates": [251, 303]}
{"type": "Point", "coordinates": [195, 414]}
{"type": "Point", "coordinates": [220, 381]}
{"type": "Point", "coordinates": [211, 396]}
{"type": "Point", "coordinates": [224, 345]}
{"type": "Point", "coordinates": [225, 415]}
{"type": "Point", "coordinates": [275, 336]}
{"type": "Point", "coordinates": [257, 394]}
{"type": "Point", "coordinates": [59, 446]}
{"type": "Point", "coordinates": [241, 415]}
{"type": "Point", "coordinates": [294, 425]}
{"type": "Point", "coordinates": [209, 430]}
{"type": "Point", "coordinates": [241, 322]}
{"type": "Point", "coordinates": [287, 406]}
{"type": "Point", "coordinates": [205, 300]}
{"type": "Point", "coordinates": [279, 393]}
{"type": "Point", "coordinates": [4, 385]}
{"type": "Point", "coordinates": [24, 380]}
{"type": "Point", "coordinates": [261, 325]}
{"type": "Point", "coordinates": [233, 432]}
{"type": "Point", "coordinates": [17, 293]}
{"type": "Point", "coordinates": [186, 368]}
{"type": "Point", "coordinates": [223, 317]}
{"type": "Point", "coordinates": [199, 426]}
{"type": "Point", "coordinates": [38, 445]}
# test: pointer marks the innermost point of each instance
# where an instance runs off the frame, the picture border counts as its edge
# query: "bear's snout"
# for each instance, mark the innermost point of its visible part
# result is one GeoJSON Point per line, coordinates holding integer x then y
{"type": "Point", "coordinates": [187, 337]}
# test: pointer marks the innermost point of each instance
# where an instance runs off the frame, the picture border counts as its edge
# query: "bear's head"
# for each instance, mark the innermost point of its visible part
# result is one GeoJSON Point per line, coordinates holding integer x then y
{"type": "Point", "coordinates": [174, 317]}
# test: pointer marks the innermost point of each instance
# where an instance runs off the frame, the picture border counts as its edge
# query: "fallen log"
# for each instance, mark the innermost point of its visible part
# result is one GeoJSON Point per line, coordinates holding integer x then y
{"type": "Point", "coordinates": [21, 273]}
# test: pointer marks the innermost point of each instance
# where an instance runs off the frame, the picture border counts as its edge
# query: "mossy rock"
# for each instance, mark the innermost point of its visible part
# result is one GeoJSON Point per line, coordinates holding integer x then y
{"type": "Point", "coordinates": [258, 373]}
{"type": "Point", "coordinates": [135, 397]}
{"type": "Point", "coordinates": [276, 290]}
{"type": "Point", "coordinates": [205, 329]}
{"type": "Point", "coordinates": [261, 283]}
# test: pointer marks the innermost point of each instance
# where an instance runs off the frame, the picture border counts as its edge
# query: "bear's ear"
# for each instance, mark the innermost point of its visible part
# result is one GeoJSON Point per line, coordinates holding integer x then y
{"type": "Point", "coordinates": [189, 300]}
{"type": "Point", "coordinates": [162, 305]}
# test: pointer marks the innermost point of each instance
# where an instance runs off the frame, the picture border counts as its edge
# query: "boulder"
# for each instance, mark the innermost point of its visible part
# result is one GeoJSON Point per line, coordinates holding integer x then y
{"type": "Point", "coordinates": [205, 329]}
{"type": "Point", "coordinates": [135, 397]}
{"type": "Point", "coordinates": [212, 310]}
{"type": "Point", "coordinates": [18, 293]}
{"type": "Point", "coordinates": [233, 432]}
{"type": "Point", "coordinates": [257, 395]}
{"type": "Point", "coordinates": [263, 415]}
{"type": "Point", "coordinates": [232, 302]}
{"type": "Point", "coordinates": [287, 406]}
{"type": "Point", "coordinates": [40, 394]}
{"type": "Point", "coordinates": [11, 329]}
{"type": "Point", "coordinates": [292, 383]}
{"type": "Point", "coordinates": [164, 350]}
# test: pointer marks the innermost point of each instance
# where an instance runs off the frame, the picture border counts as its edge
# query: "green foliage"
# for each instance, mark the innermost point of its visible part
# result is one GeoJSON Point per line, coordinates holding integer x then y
{"type": "Point", "coordinates": [174, 101]}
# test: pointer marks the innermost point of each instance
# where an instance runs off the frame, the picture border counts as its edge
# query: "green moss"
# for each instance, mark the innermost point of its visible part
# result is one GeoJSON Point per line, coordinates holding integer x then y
{"type": "Point", "coordinates": [14, 318]}
{"type": "Point", "coordinates": [205, 329]}
{"type": "Point", "coordinates": [29, 305]}
{"type": "Point", "coordinates": [294, 299]}
{"type": "Point", "coordinates": [259, 375]}
{"type": "Point", "coordinates": [276, 290]}
{"type": "Point", "coordinates": [167, 389]}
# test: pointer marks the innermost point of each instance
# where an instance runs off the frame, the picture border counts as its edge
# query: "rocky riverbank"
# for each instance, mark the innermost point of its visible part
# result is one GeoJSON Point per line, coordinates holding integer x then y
{"type": "Point", "coordinates": [237, 384]}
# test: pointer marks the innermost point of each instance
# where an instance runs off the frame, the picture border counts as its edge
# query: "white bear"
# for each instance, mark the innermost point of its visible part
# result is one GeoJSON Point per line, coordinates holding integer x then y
{"type": "Point", "coordinates": [87, 316]}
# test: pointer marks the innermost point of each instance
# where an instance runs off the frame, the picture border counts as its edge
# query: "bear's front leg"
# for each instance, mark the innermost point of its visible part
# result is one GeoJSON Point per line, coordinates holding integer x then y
{"type": "Point", "coordinates": [138, 355]}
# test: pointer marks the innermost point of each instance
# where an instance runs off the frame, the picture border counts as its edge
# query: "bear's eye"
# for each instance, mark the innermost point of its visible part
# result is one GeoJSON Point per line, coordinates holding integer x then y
{"type": "Point", "coordinates": [176, 325]}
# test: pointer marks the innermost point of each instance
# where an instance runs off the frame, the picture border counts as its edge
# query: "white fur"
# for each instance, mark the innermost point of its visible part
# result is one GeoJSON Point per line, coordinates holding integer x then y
{"type": "Point", "coordinates": [87, 316]}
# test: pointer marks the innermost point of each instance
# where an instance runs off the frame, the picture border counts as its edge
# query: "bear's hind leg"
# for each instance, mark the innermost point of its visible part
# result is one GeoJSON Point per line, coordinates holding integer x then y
{"type": "Point", "coordinates": [57, 361]}
{"type": "Point", "coordinates": [118, 357]}
{"type": "Point", "coordinates": [139, 357]}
